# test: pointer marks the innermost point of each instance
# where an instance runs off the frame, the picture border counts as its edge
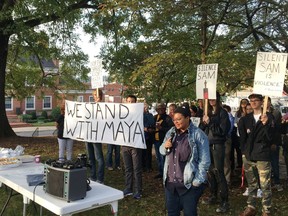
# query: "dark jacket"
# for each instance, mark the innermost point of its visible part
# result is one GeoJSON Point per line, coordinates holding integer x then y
{"type": "Point", "coordinates": [166, 124]}
{"type": "Point", "coordinates": [149, 123]}
{"type": "Point", "coordinates": [218, 127]}
{"type": "Point", "coordinates": [255, 138]}
{"type": "Point", "coordinates": [60, 126]}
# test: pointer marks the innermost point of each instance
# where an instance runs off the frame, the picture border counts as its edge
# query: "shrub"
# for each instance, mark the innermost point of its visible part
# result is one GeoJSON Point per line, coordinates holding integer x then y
{"type": "Point", "coordinates": [31, 121]}
{"type": "Point", "coordinates": [55, 113]}
{"type": "Point", "coordinates": [33, 114]}
{"type": "Point", "coordinates": [40, 119]}
{"type": "Point", "coordinates": [25, 117]}
{"type": "Point", "coordinates": [44, 114]}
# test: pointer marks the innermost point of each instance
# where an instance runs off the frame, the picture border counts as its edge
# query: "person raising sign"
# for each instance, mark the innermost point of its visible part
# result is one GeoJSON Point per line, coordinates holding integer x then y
{"type": "Point", "coordinates": [95, 152]}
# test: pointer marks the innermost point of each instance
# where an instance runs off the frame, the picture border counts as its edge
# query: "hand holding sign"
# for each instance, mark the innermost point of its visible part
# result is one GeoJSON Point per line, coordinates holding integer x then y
{"type": "Point", "coordinates": [269, 75]}
{"type": "Point", "coordinates": [206, 81]}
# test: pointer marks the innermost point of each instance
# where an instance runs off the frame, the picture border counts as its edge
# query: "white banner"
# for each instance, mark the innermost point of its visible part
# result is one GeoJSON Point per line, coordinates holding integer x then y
{"type": "Point", "coordinates": [112, 123]}
{"type": "Point", "coordinates": [270, 73]}
{"type": "Point", "coordinates": [206, 81]}
{"type": "Point", "coordinates": [96, 74]}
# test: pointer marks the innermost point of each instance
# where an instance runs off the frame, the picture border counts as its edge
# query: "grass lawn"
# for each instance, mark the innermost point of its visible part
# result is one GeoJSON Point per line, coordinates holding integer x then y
{"type": "Point", "coordinates": [152, 203]}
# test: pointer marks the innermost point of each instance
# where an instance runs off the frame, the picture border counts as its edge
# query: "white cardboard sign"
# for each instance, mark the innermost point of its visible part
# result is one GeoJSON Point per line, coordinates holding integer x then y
{"type": "Point", "coordinates": [270, 73]}
{"type": "Point", "coordinates": [206, 81]}
{"type": "Point", "coordinates": [96, 74]}
{"type": "Point", "coordinates": [113, 123]}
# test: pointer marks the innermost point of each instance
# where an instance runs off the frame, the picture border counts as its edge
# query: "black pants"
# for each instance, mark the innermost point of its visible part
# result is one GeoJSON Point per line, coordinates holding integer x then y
{"type": "Point", "coordinates": [216, 177]}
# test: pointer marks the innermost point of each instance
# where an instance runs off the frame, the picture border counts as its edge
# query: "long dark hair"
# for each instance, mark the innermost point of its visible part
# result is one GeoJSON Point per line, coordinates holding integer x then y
{"type": "Point", "coordinates": [218, 105]}
{"type": "Point", "coordinates": [240, 111]}
{"type": "Point", "coordinates": [217, 110]}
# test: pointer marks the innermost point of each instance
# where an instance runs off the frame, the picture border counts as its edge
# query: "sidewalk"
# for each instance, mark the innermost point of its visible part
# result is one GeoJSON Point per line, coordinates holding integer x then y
{"type": "Point", "coordinates": [35, 131]}
{"type": "Point", "coordinates": [32, 128]}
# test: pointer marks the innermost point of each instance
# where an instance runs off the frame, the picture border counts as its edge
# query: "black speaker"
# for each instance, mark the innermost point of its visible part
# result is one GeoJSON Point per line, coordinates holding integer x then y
{"type": "Point", "coordinates": [67, 184]}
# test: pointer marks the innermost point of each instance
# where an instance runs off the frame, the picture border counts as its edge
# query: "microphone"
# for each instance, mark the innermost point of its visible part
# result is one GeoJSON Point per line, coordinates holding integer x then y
{"type": "Point", "coordinates": [171, 138]}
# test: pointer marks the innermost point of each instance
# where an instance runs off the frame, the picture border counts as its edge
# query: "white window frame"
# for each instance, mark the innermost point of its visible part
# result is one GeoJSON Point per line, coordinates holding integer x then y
{"type": "Point", "coordinates": [11, 102]}
{"type": "Point", "coordinates": [80, 98]}
{"type": "Point", "coordinates": [30, 108]}
{"type": "Point", "coordinates": [111, 99]}
{"type": "Point", "coordinates": [47, 108]}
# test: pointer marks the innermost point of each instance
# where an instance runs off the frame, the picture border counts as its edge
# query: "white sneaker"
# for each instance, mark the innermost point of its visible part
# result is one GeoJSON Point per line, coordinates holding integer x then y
{"type": "Point", "coordinates": [246, 192]}
{"type": "Point", "coordinates": [259, 193]}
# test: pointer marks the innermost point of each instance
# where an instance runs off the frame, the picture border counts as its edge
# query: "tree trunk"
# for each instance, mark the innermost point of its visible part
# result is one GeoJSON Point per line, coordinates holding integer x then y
{"type": "Point", "coordinates": [5, 128]}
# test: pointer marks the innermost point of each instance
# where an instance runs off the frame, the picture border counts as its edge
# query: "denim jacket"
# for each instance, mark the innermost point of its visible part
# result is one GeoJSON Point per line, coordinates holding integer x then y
{"type": "Point", "coordinates": [195, 171]}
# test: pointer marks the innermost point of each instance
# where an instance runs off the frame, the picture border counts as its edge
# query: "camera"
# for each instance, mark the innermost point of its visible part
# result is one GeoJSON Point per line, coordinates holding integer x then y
{"type": "Point", "coordinates": [82, 160]}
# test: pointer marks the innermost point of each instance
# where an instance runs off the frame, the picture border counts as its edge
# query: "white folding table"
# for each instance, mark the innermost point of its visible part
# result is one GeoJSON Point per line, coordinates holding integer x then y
{"type": "Point", "coordinates": [99, 195]}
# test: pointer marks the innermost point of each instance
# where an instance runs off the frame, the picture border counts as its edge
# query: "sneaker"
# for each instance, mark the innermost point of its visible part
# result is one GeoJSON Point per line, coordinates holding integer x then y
{"type": "Point", "coordinates": [249, 211]}
{"type": "Point", "coordinates": [246, 192]}
{"type": "Point", "coordinates": [224, 207]}
{"type": "Point", "coordinates": [119, 168]}
{"type": "Point", "coordinates": [209, 200]}
{"type": "Point", "coordinates": [137, 195]}
{"type": "Point", "coordinates": [278, 187]}
{"type": "Point", "coordinates": [259, 193]}
{"type": "Point", "coordinates": [110, 168]}
{"type": "Point", "coordinates": [127, 192]}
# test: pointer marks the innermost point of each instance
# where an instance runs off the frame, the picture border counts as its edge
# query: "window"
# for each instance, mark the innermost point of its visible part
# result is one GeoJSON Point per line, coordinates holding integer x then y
{"type": "Point", "coordinates": [111, 99]}
{"type": "Point", "coordinates": [30, 103]}
{"type": "Point", "coordinates": [8, 103]}
{"type": "Point", "coordinates": [91, 99]}
{"type": "Point", "coordinates": [47, 102]}
{"type": "Point", "coordinates": [80, 98]}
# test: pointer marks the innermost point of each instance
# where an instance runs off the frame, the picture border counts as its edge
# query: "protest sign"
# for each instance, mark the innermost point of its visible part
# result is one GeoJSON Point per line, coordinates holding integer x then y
{"type": "Point", "coordinates": [96, 74]}
{"type": "Point", "coordinates": [112, 123]}
{"type": "Point", "coordinates": [195, 121]}
{"type": "Point", "coordinates": [270, 73]}
{"type": "Point", "coordinates": [206, 81]}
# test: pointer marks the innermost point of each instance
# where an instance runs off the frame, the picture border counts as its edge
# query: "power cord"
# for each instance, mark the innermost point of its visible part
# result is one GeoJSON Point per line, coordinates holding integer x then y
{"type": "Point", "coordinates": [40, 183]}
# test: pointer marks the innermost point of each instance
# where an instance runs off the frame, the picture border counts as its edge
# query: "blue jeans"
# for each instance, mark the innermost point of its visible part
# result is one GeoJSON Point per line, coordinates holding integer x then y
{"type": "Point", "coordinates": [187, 202]}
{"type": "Point", "coordinates": [95, 153]}
{"type": "Point", "coordinates": [160, 158]}
{"type": "Point", "coordinates": [132, 158]}
{"type": "Point", "coordinates": [109, 157]}
{"type": "Point", "coordinates": [65, 145]}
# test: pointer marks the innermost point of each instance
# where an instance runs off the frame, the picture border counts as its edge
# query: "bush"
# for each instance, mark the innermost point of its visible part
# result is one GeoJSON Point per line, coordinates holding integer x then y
{"type": "Point", "coordinates": [31, 121]}
{"type": "Point", "coordinates": [44, 114]}
{"type": "Point", "coordinates": [40, 119]}
{"type": "Point", "coordinates": [55, 113]}
{"type": "Point", "coordinates": [33, 114]}
{"type": "Point", "coordinates": [25, 117]}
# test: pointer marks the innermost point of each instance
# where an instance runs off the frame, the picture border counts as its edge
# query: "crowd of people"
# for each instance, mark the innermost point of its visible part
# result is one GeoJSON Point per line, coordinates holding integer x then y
{"type": "Point", "coordinates": [193, 157]}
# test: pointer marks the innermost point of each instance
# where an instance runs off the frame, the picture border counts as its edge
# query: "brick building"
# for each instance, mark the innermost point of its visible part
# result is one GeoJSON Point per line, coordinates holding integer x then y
{"type": "Point", "coordinates": [38, 103]}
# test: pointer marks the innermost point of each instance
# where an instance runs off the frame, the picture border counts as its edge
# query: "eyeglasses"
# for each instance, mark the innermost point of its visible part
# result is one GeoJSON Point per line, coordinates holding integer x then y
{"type": "Point", "coordinates": [178, 119]}
{"type": "Point", "coordinates": [253, 101]}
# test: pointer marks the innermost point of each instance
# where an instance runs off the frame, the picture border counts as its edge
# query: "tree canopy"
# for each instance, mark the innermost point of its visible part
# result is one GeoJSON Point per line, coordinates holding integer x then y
{"type": "Point", "coordinates": [152, 47]}
{"type": "Point", "coordinates": [33, 30]}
